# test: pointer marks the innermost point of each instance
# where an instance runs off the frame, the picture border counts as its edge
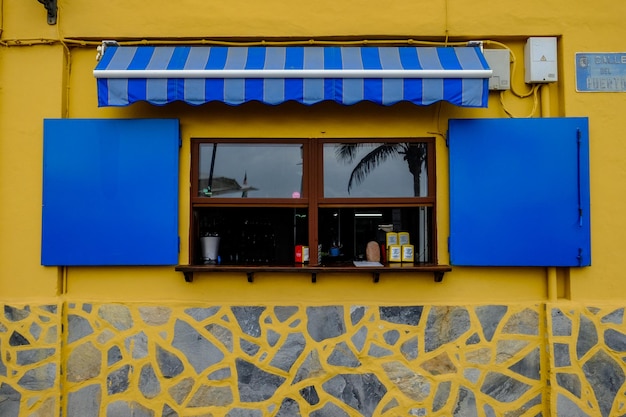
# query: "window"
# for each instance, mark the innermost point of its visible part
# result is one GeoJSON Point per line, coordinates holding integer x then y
{"type": "Point", "coordinates": [254, 200]}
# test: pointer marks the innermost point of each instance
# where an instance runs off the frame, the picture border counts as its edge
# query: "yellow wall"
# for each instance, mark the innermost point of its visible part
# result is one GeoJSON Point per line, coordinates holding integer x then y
{"type": "Point", "coordinates": [562, 323]}
{"type": "Point", "coordinates": [23, 105]}
{"type": "Point", "coordinates": [35, 83]}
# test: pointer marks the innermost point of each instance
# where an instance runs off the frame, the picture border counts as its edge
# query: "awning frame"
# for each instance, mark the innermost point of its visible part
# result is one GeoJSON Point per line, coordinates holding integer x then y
{"type": "Point", "coordinates": [290, 73]}
{"type": "Point", "coordinates": [272, 75]}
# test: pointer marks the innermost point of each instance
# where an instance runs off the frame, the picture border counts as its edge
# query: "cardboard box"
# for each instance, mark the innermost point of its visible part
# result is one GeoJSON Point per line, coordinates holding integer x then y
{"type": "Point", "coordinates": [395, 253]}
{"type": "Point", "coordinates": [302, 254]}
{"type": "Point", "coordinates": [391, 238]}
{"type": "Point", "coordinates": [408, 253]}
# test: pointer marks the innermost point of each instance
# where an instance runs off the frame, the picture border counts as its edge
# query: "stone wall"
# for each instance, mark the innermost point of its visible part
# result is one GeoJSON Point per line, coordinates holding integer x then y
{"type": "Point", "coordinates": [341, 360]}
{"type": "Point", "coordinates": [30, 351]}
{"type": "Point", "coordinates": [588, 353]}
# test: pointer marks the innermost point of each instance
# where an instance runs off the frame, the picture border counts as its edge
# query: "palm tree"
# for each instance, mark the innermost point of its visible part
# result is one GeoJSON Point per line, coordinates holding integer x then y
{"type": "Point", "coordinates": [413, 153]}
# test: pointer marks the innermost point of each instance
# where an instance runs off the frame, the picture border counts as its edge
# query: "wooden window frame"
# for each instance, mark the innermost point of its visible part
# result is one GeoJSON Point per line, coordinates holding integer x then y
{"type": "Point", "coordinates": [313, 187]}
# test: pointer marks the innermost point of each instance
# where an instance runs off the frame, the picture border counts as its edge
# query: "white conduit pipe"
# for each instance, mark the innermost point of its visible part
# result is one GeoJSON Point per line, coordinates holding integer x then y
{"type": "Point", "coordinates": [287, 73]}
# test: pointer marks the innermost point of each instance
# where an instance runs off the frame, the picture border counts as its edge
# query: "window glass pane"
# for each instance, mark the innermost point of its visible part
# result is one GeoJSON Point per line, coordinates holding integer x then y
{"type": "Point", "coordinates": [375, 170]}
{"type": "Point", "coordinates": [345, 232]}
{"type": "Point", "coordinates": [250, 235]}
{"type": "Point", "coordinates": [241, 170]}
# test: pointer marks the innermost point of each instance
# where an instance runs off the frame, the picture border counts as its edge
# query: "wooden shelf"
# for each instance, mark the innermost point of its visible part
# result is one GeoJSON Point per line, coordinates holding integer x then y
{"type": "Point", "coordinates": [437, 270]}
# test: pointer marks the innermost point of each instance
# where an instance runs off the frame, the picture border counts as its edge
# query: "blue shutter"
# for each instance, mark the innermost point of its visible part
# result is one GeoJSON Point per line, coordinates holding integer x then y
{"type": "Point", "coordinates": [519, 192]}
{"type": "Point", "coordinates": [110, 192]}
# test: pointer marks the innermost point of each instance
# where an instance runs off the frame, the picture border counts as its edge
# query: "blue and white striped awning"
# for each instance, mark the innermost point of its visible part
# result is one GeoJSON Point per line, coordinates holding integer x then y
{"type": "Point", "coordinates": [308, 75]}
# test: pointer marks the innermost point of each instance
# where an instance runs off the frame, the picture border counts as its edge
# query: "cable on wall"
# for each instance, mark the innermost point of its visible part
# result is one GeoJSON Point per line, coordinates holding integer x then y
{"type": "Point", "coordinates": [534, 91]}
{"type": "Point", "coordinates": [1, 17]}
{"type": "Point", "coordinates": [68, 66]}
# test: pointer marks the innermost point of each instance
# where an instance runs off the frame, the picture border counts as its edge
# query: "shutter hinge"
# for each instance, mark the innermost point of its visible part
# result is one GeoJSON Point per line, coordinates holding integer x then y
{"type": "Point", "coordinates": [178, 244]}
{"type": "Point", "coordinates": [579, 257]}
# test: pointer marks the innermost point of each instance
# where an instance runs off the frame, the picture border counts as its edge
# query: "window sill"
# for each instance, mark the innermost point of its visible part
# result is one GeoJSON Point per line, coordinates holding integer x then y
{"type": "Point", "coordinates": [437, 270]}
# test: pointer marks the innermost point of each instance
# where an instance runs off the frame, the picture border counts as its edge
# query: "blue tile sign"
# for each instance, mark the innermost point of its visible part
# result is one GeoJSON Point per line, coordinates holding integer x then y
{"type": "Point", "coordinates": [601, 72]}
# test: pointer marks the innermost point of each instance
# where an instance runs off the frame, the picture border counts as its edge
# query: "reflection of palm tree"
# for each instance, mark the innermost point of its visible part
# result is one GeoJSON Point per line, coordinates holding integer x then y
{"type": "Point", "coordinates": [413, 153]}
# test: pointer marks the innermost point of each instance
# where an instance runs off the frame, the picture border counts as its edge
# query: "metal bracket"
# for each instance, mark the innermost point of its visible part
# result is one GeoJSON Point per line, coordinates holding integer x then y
{"type": "Point", "coordinates": [103, 47]}
{"type": "Point", "coordinates": [51, 7]}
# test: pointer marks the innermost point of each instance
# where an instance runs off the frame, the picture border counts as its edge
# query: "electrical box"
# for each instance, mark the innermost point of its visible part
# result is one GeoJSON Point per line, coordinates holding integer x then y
{"type": "Point", "coordinates": [540, 60]}
{"type": "Point", "coordinates": [499, 61]}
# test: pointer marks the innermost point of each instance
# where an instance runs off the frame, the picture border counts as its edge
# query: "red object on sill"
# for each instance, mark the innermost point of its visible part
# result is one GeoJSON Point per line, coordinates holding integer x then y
{"type": "Point", "coordinates": [302, 254]}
